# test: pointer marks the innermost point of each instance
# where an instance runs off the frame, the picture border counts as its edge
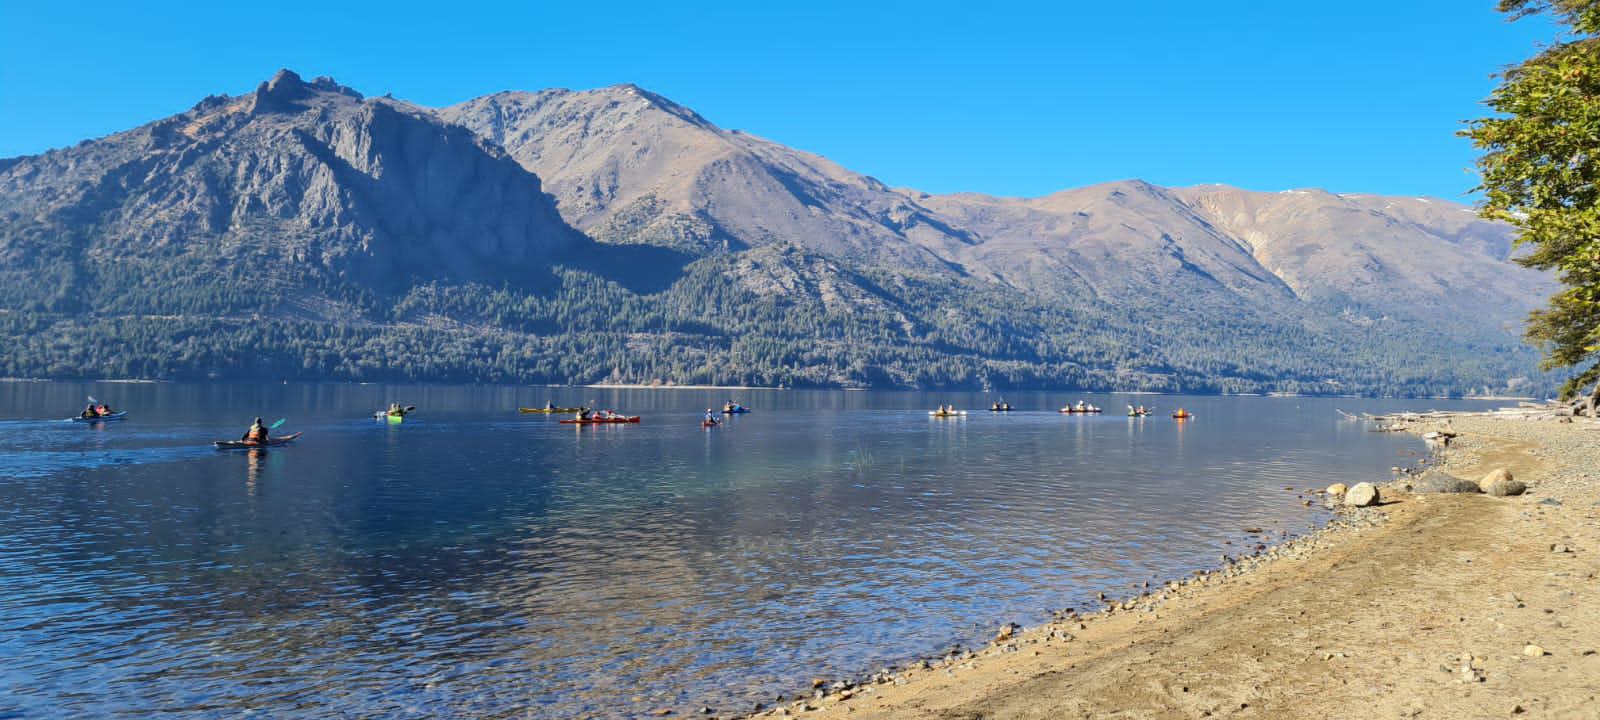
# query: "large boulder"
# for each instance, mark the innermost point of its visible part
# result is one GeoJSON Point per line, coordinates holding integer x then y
{"type": "Point", "coordinates": [1362, 495]}
{"type": "Point", "coordinates": [1500, 483]}
{"type": "Point", "coordinates": [1439, 481]}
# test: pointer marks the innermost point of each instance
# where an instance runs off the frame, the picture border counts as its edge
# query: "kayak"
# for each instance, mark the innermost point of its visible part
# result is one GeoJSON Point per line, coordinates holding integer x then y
{"type": "Point", "coordinates": [1137, 414]}
{"type": "Point", "coordinates": [102, 418]}
{"type": "Point", "coordinates": [958, 413]}
{"type": "Point", "coordinates": [1184, 416]}
{"type": "Point", "coordinates": [1075, 411]}
{"type": "Point", "coordinates": [386, 416]}
{"type": "Point", "coordinates": [736, 411]}
{"type": "Point", "coordinates": [250, 445]}
{"type": "Point", "coordinates": [551, 411]}
{"type": "Point", "coordinates": [602, 421]}
{"type": "Point", "coordinates": [709, 423]}
{"type": "Point", "coordinates": [1000, 409]}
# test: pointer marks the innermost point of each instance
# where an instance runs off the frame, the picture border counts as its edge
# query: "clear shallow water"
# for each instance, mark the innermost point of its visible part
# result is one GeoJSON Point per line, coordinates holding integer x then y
{"type": "Point", "coordinates": [473, 561]}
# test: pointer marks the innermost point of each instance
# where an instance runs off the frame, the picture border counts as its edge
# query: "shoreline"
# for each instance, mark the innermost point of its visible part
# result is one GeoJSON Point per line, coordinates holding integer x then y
{"type": "Point", "coordinates": [830, 388]}
{"type": "Point", "coordinates": [1420, 606]}
{"type": "Point", "coordinates": [625, 386]}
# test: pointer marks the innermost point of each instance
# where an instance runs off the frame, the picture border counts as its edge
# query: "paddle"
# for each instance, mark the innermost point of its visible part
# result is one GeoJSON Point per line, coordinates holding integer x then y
{"type": "Point", "coordinates": [275, 425]}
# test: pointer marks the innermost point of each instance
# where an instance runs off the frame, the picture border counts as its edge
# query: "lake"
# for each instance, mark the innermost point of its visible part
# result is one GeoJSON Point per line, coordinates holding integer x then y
{"type": "Point", "coordinates": [475, 561]}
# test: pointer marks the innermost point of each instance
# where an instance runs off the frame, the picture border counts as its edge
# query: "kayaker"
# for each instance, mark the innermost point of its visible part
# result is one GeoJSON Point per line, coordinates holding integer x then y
{"type": "Point", "coordinates": [89, 412]}
{"type": "Point", "coordinates": [103, 410]}
{"type": "Point", "coordinates": [257, 433]}
{"type": "Point", "coordinates": [710, 418]}
{"type": "Point", "coordinates": [549, 405]}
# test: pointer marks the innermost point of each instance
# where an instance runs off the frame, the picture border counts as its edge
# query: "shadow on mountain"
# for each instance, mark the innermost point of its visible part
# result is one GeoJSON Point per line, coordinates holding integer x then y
{"type": "Point", "coordinates": [643, 269]}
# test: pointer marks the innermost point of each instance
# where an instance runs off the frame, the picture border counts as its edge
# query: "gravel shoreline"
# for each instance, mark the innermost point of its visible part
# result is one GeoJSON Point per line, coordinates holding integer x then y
{"type": "Point", "coordinates": [1559, 461]}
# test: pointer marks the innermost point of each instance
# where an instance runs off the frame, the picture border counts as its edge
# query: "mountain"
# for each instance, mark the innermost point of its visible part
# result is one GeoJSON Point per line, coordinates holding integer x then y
{"type": "Point", "coordinates": [295, 178]}
{"type": "Point", "coordinates": [576, 236]}
{"type": "Point", "coordinates": [628, 166]}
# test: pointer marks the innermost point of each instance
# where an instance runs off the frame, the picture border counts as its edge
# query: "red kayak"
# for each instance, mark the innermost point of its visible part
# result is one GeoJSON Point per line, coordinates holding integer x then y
{"type": "Point", "coordinates": [602, 421]}
{"type": "Point", "coordinates": [251, 444]}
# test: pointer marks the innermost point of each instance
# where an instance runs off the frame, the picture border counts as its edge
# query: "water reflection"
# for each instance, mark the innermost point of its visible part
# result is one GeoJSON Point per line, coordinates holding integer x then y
{"type": "Point", "coordinates": [480, 562]}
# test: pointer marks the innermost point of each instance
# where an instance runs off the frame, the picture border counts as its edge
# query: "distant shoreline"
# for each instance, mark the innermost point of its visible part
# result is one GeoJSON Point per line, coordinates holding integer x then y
{"type": "Point", "coordinates": [123, 381]}
{"type": "Point", "coordinates": [625, 386]}
{"type": "Point", "coordinates": [841, 388]}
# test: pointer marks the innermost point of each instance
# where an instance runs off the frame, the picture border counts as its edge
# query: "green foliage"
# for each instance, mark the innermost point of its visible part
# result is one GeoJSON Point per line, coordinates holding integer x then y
{"type": "Point", "coordinates": [182, 318]}
{"type": "Point", "coordinates": [1541, 172]}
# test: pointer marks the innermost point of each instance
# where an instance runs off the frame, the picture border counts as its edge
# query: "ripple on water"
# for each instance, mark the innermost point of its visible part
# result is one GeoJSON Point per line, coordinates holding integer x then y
{"type": "Point", "coordinates": [465, 566]}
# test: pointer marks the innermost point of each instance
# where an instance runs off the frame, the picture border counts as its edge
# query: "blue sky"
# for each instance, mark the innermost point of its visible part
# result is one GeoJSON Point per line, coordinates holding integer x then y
{"type": "Point", "coordinates": [1003, 98]}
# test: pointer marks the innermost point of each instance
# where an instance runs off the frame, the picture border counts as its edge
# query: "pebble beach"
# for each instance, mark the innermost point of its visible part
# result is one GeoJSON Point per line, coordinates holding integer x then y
{"type": "Point", "coordinates": [1423, 604]}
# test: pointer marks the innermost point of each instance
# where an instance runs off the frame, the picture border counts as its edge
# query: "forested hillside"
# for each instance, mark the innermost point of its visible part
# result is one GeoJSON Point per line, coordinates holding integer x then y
{"type": "Point", "coordinates": [305, 232]}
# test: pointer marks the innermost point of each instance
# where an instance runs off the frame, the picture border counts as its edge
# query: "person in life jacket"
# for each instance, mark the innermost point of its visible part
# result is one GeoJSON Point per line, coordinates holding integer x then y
{"type": "Point", "coordinates": [257, 433]}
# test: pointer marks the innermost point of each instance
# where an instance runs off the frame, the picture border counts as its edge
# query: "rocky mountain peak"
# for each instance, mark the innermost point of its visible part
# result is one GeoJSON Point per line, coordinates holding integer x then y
{"type": "Point", "coordinates": [662, 103]}
{"type": "Point", "coordinates": [287, 92]}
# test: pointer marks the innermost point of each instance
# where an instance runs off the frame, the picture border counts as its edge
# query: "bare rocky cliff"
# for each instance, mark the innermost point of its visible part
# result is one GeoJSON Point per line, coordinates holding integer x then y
{"type": "Point", "coordinates": [307, 173]}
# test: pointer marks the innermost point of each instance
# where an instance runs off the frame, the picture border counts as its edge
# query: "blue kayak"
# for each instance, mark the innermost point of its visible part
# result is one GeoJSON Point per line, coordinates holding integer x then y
{"type": "Point", "coordinates": [736, 411]}
{"type": "Point", "coordinates": [102, 418]}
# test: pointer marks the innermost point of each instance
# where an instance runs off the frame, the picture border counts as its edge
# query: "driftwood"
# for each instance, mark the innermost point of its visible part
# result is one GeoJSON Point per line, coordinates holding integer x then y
{"type": "Point", "coordinates": [1395, 422]}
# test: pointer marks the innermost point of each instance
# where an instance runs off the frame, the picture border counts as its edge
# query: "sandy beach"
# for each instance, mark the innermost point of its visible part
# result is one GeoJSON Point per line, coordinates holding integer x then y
{"type": "Point", "coordinates": [1428, 606]}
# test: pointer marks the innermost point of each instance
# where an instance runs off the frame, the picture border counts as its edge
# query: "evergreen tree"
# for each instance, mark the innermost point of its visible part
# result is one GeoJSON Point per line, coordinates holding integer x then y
{"type": "Point", "coordinates": [1541, 172]}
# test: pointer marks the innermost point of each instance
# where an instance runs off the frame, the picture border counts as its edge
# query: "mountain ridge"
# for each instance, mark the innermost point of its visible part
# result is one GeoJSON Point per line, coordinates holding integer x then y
{"type": "Point", "coordinates": [614, 234]}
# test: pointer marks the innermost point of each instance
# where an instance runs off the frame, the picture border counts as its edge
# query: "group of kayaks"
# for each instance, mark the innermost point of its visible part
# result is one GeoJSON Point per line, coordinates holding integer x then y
{"type": "Point", "coordinates": [586, 416]}
{"type": "Point", "coordinates": [583, 416]}
{"type": "Point", "coordinates": [107, 415]}
{"type": "Point", "coordinates": [1082, 408]}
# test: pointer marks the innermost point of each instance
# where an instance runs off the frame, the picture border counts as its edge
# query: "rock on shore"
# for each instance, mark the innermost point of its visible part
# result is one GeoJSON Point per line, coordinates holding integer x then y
{"type": "Point", "coordinates": [1362, 495]}
{"type": "Point", "coordinates": [1500, 483]}
{"type": "Point", "coordinates": [1439, 481]}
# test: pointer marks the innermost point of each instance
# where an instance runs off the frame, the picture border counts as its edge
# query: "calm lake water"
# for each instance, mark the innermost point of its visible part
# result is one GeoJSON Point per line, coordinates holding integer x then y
{"type": "Point", "coordinates": [477, 562]}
